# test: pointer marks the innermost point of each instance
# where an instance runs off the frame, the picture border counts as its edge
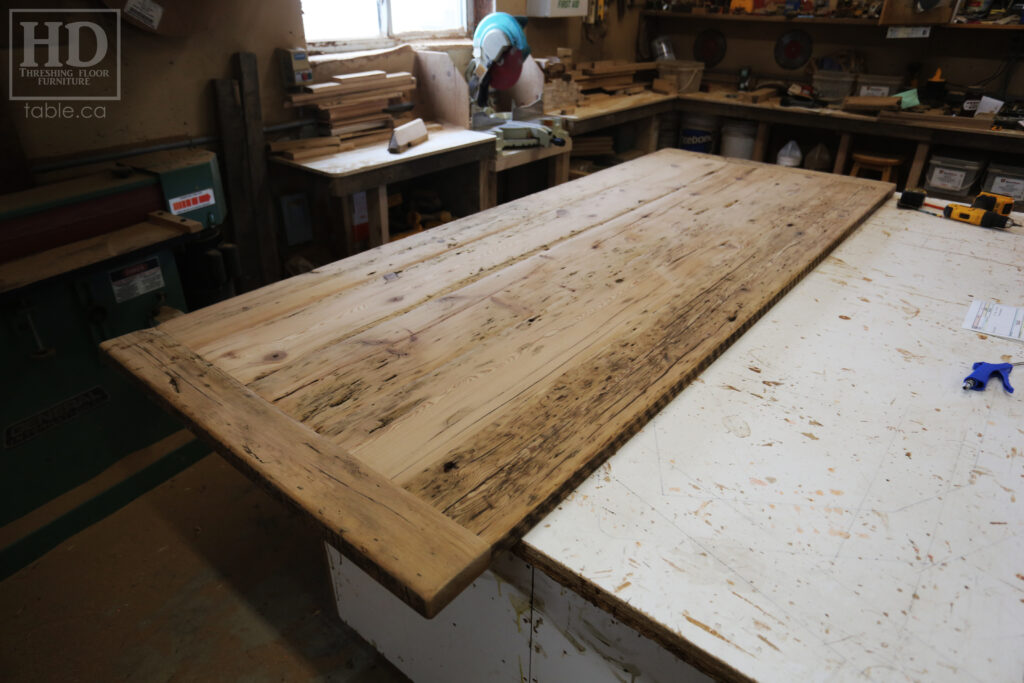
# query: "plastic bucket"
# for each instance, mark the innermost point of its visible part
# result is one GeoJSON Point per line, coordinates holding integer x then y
{"type": "Point", "coordinates": [833, 86]}
{"type": "Point", "coordinates": [686, 74]}
{"type": "Point", "coordinates": [697, 133]}
{"type": "Point", "coordinates": [738, 139]}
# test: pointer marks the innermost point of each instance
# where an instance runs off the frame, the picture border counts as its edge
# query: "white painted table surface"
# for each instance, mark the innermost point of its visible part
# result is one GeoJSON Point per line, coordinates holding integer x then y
{"type": "Point", "coordinates": [353, 161]}
{"type": "Point", "coordinates": [825, 502]}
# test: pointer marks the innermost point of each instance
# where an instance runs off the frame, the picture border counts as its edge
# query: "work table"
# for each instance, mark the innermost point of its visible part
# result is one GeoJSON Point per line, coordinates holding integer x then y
{"type": "Point", "coordinates": [424, 402]}
{"type": "Point", "coordinates": [824, 502]}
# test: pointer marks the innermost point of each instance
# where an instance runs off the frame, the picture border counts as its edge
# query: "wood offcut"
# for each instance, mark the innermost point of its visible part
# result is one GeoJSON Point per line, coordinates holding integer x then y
{"type": "Point", "coordinates": [426, 401]}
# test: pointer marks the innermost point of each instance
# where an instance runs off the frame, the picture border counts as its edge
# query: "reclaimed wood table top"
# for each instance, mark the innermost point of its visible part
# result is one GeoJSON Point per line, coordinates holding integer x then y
{"type": "Point", "coordinates": [825, 502]}
{"type": "Point", "coordinates": [426, 401]}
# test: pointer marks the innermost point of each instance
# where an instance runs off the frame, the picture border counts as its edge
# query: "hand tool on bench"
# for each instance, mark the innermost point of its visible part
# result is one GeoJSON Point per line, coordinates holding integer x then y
{"type": "Point", "coordinates": [983, 372]}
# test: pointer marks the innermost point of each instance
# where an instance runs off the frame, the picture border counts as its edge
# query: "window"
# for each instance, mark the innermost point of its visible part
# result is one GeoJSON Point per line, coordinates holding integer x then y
{"type": "Point", "coordinates": [354, 24]}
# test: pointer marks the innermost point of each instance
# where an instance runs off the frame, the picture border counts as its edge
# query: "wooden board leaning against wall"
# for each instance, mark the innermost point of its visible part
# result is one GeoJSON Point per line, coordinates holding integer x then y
{"type": "Point", "coordinates": [425, 401]}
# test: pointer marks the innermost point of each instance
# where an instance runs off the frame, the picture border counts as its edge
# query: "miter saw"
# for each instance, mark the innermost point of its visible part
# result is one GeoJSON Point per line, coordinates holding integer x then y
{"type": "Point", "coordinates": [499, 51]}
{"type": "Point", "coordinates": [499, 48]}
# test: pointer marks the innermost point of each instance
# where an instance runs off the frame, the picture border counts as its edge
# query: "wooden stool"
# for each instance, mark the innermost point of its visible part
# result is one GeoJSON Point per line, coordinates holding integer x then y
{"type": "Point", "coordinates": [873, 162]}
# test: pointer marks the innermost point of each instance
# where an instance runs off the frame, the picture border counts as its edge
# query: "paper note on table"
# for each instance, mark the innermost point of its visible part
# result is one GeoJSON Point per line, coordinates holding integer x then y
{"type": "Point", "coordinates": [989, 105]}
{"type": "Point", "coordinates": [996, 319]}
{"type": "Point", "coordinates": [908, 98]}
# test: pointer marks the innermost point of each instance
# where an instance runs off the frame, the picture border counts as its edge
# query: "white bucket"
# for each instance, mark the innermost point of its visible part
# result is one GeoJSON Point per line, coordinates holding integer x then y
{"type": "Point", "coordinates": [738, 139]}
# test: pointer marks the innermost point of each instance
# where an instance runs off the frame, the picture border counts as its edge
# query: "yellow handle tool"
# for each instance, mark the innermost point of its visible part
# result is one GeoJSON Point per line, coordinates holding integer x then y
{"type": "Point", "coordinates": [976, 216]}
{"type": "Point", "coordinates": [990, 201]}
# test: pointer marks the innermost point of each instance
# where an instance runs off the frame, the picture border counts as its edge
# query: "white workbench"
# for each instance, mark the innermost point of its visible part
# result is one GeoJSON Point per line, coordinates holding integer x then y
{"type": "Point", "coordinates": [824, 503]}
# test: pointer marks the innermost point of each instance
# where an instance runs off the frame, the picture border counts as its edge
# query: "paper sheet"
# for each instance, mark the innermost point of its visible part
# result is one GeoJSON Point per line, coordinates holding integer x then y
{"type": "Point", "coordinates": [996, 320]}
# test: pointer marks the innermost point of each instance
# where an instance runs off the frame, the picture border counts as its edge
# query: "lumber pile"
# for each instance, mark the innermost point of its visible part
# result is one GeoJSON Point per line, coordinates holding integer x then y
{"type": "Point", "coordinates": [309, 148]}
{"type": "Point", "coordinates": [363, 106]}
{"type": "Point", "coordinates": [593, 146]}
{"type": "Point", "coordinates": [611, 76]}
{"type": "Point", "coordinates": [569, 84]}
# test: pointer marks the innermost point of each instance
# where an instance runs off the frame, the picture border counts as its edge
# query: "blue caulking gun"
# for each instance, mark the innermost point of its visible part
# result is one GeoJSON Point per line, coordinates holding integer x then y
{"type": "Point", "coordinates": [983, 373]}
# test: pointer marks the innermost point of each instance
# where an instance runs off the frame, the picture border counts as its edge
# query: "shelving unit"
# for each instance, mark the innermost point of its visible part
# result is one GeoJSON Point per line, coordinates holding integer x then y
{"type": "Point", "coordinates": [758, 18]}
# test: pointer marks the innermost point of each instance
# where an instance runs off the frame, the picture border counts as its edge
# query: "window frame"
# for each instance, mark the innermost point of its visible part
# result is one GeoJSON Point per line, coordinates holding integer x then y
{"type": "Point", "coordinates": [388, 38]}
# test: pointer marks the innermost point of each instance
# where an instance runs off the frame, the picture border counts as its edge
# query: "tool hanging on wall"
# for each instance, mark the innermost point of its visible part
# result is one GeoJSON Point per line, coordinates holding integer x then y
{"type": "Point", "coordinates": [709, 47]}
{"type": "Point", "coordinates": [793, 49]}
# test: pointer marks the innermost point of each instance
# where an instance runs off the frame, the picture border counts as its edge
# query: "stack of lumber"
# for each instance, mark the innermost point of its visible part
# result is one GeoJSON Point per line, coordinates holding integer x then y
{"type": "Point", "coordinates": [355, 106]}
{"type": "Point", "coordinates": [611, 76]}
{"type": "Point", "coordinates": [308, 148]}
{"type": "Point", "coordinates": [561, 96]}
{"type": "Point", "coordinates": [569, 84]}
{"type": "Point", "coordinates": [593, 146]}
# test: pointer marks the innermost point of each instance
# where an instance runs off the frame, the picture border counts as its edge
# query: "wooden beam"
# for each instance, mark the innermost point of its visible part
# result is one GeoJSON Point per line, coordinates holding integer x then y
{"type": "Point", "coordinates": [235, 156]}
{"type": "Point", "coordinates": [247, 72]}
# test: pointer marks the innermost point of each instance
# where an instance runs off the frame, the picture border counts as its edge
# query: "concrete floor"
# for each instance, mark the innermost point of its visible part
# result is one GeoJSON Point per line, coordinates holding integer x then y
{"type": "Point", "coordinates": [205, 578]}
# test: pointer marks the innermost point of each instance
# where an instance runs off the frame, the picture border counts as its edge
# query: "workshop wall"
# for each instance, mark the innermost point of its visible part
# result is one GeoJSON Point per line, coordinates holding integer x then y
{"type": "Point", "coordinates": [963, 57]}
{"type": "Point", "coordinates": [166, 92]}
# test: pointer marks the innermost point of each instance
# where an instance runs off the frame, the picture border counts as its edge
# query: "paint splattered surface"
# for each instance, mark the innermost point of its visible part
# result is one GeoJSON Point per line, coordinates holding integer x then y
{"type": "Point", "coordinates": [826, 502]}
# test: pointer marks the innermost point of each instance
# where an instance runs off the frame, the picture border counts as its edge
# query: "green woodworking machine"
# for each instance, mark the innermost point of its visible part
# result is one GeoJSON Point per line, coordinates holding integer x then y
{"type": "Point", "coordinates": [81, 261]}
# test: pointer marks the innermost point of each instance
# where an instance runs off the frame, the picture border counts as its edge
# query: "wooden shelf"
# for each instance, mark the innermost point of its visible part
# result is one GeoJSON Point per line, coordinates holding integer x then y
{"type": "Point", "coordinates": [755, 18]}
{"type": "Point", "coordinates": [985, 27]}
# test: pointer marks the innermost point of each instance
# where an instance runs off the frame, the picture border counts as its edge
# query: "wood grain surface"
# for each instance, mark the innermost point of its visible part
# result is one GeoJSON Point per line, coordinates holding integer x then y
{"type": "Point", "coordinates": [477, 371]}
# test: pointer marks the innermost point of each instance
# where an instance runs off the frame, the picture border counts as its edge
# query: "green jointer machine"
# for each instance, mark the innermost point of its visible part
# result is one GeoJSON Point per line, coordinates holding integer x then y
{"type": "Point", "coordinates": [81, 261]}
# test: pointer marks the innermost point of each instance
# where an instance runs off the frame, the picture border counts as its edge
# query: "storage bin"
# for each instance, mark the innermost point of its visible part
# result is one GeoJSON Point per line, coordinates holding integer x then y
{"type": "Point", "coordinates": [833, 86]}
{"type": "Point", "coordinates": [686, 74]}
{"type": "Point", "coordinates": [738, 139]}
{"type": "Point", "coordinates": [878, 86]}
{"type": "Point", "coordinates": [697, 133]}
{"type": "Point", "coordinates": [1005, 179]}
{"type": "Point", "coordinates": [953, 177]}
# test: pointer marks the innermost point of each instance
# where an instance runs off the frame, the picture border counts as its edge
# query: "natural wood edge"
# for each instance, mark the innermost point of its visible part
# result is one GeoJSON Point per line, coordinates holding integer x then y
{"type": "Point", "coordinates": [382, 528]}
{"type": "Point", "coordinates": [608, 601]}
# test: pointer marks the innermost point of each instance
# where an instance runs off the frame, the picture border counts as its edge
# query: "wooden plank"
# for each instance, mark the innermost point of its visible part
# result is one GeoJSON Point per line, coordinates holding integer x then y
{"type": "Point", "coordinates": [870, 103]}
{"type": "Point", "coordinates": [313, 152]}
{"type": "Point", "coordinates": [408, 135]}
{"type": "Point", "coordinates": [301, 143]}
{"type": "Point", "coordinates": [761, 141]}
{"type": "Point", "coordinates": [247, 73]}
{"type": "Point", "coordinates": [444, 96]}
{"type": "Point", "coordinates": [486, 377]}
{"type": "Point", "coordinates": [608, 68]}
{"type": "Point", "coordinates": [236, 162]}
{"type": "Point", "coordinates": [842, 153]}
{"type": "Point", "coordinates": [917, 165]}
{"type": "Point", "coordinates": [69, 257]}
{"type": "Point", "coordinates": [401, 541]}
{"type": "Point", "coordinates": [360, 77]}
{"type": "Point", "coordinates": [397, 81]}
